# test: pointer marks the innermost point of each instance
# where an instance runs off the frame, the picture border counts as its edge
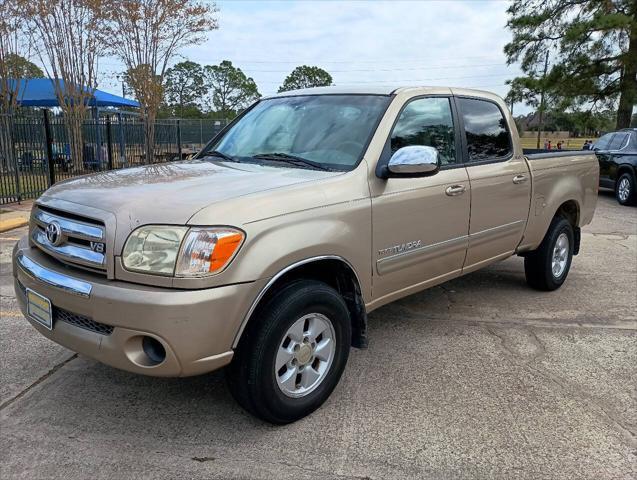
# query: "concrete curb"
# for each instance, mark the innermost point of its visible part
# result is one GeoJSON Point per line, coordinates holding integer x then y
{"type": "Point", "coordinates": [15, 215]}
{"type": "Point", "coordinates": [11, 223]}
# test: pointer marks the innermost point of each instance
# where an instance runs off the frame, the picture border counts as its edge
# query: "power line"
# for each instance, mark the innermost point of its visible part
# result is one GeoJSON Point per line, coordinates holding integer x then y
{"type": "Point", "coordinates": [423, 67]}
{"type": "Point", "coordinates": [404, 80]}
{"type": "Point", "coordinates": [420, 67]}
{"type": "Point", "coordinates": [309, 61]}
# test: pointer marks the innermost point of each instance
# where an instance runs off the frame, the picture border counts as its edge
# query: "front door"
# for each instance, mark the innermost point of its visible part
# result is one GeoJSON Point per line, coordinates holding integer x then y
{"type": "Point", "coordinates": [420, 224]}
{"type": "Point", "coordinates": [602, 150]}
{"type": "Point", "coordinates": [500, 183]}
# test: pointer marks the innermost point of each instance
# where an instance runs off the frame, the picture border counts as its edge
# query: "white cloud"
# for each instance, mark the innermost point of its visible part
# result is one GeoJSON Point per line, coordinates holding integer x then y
{"type": "Point", "coordinates": [456, 43]}
{"type": "Point", "coordinates": [370, 42]}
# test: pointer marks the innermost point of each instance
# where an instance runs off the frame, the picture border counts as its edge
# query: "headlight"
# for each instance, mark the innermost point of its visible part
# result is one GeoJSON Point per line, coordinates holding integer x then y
{"type": "Point", "coordinates": [207, 250]}
{"type": "Point", "coordinates": [153, 249]}
{"type": "Point", "coordinates": [181, 251]}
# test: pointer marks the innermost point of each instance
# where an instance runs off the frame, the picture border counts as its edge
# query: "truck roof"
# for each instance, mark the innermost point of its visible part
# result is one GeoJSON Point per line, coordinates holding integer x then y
{"type": "Point", "coordinates": [374, 90]}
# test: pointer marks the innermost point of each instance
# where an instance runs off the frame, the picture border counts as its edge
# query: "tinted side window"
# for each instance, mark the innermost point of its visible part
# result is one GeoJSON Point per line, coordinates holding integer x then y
{"type": "Point", "coordinates": [486, 129]}
{"type": "Point", "coordinates": [618, 141]}
{"type": "Point", "coordinates": [603, 142]}
{"type": "Point", "coordinates": [426, 121]}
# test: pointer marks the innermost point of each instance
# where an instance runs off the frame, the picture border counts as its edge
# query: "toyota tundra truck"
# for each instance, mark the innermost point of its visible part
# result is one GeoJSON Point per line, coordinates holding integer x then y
{"type": "Point", "coordinates": [265, 253]}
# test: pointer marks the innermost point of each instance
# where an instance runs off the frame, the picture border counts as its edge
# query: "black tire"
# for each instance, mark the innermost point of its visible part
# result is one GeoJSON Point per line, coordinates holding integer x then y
{"type": "Point", "coordinates": [251, 376]}
{"type": "Point", "coordinates": [538, 267]}
{"type": "Point", "coordinates": [626, 179]}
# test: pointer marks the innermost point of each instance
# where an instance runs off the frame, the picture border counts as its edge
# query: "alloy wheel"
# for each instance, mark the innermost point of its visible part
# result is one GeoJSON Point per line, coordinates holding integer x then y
{"type": "Point", "coordinates": [305, 355]}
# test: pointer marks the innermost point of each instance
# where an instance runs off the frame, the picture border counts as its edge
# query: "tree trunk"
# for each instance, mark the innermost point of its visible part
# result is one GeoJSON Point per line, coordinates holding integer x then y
{"type": "Point", "coordinates": [149, 133]}
{"type": "Point", "coordinates": [628, 85]}
{"type": "Point", "coordinates": [74, 121]}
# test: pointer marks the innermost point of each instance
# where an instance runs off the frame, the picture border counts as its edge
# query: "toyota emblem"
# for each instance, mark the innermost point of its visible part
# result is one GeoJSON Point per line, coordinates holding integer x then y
{"type": "Point", "coordinates": [54, 233]}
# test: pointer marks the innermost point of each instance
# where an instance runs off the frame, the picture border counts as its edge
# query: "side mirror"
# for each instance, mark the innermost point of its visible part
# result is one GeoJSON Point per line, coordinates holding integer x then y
{"type": "Point", "coordinates": [414, 160]}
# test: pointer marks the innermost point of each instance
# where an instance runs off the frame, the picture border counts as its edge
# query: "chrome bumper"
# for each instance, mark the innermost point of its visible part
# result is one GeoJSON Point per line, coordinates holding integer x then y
{"type": "Point", "coordinates": [52, 278]}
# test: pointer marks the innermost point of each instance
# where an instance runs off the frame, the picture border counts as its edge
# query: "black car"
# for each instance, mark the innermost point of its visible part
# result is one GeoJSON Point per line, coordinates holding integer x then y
{"type": "Point", "coordinates": [617, 155]}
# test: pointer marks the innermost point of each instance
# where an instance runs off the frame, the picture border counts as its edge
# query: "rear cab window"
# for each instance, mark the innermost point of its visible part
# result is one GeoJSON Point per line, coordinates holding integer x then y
{"type": "Point", "coordinates": [486, 130]}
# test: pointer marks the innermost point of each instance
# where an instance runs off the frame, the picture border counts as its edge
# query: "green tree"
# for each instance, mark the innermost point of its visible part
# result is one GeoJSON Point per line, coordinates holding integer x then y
{"type": "Point", "coordinates": [521, 91]}
{"type": "Point", "coordinates": [184, 86]}
{"type": "Point", "coordinates": [20, 67]}
{"type": "Point", "coordinates": [230, 89]}
{"type": "Point", "coordinates": [146, 35]}
{"type": "Point", "coordinates": [593, 45]}
{"type": "Point", "coordinates": [306, 77]}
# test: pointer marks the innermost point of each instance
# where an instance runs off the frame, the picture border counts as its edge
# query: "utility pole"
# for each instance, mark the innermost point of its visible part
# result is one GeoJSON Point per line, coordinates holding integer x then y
{"type": "Point", "coordinates": [541, 109]}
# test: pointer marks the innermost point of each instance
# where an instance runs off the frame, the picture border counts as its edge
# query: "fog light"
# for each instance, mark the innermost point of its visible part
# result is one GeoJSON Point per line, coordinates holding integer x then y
{"type": "Point", "coordinates": [154, 350]}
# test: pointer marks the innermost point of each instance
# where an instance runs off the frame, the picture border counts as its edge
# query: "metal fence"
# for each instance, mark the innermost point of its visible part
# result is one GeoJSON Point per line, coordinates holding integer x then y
{"type": "Point", "coordinates": [195, 133]}
{"type": "Point", "coordinates": [35, 150]}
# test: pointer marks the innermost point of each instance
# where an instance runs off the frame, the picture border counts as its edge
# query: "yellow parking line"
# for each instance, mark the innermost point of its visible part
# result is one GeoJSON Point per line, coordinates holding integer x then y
{"type": "Point", "coordinates": [11, 313]}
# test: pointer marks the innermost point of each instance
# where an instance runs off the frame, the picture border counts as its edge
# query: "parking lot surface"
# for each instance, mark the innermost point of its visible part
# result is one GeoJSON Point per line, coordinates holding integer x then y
{"type": "Point", "coordinates": [480, 377]}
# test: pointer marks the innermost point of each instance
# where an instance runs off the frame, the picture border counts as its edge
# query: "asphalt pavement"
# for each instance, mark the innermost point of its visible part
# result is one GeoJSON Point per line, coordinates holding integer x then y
{"type": "Point", "coordinates": [478, 378]}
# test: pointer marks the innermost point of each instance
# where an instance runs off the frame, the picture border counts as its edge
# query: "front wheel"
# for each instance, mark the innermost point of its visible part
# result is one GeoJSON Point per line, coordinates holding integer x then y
{"type": "Point", "coordinates": [625, 191]}
{"type": "Point", "coordinates": [547, 267]}
{"type": "Point", "coordinates": [293, 353]}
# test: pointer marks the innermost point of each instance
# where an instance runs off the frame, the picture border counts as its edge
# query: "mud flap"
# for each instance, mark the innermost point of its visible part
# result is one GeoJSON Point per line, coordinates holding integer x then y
{"type": "Point", "coordinates": [359, 323]}
{"type": "Point", "coordinates": [577, 237]}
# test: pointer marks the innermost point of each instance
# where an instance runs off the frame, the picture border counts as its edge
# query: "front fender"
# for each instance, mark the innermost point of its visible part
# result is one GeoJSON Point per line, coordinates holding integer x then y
{"type": "Point", "coordinates": [334, 231]}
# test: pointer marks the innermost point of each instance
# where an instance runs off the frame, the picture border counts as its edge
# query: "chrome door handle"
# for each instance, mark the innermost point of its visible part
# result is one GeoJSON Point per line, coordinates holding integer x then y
{"type": "Point", "coordinates": [519, 179]}
{"type": "Point", "coordinates": [454, 190]}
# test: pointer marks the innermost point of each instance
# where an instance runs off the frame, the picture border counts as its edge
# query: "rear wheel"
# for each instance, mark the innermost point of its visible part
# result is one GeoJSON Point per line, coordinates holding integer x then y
{"type": "Point", "coordinates": [625, 190]}
{"type": "Point", "coordinates": [293, 353]}
{"type": "Point", "coordinates": [547, 267]}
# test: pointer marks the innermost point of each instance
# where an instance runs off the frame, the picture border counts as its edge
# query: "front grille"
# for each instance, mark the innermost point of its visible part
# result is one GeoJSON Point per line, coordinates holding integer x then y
{"type": "Point", "coordinates": [81, 321]}
{"type": "Point", "coordinates": [75, 319]}
{"type": "Point", "coordinates": [75, 240]}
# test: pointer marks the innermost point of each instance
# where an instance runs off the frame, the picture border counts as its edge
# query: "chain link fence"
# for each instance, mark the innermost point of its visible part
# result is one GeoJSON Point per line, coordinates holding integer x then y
{"type": "Point", "coordinates": [35, 149]}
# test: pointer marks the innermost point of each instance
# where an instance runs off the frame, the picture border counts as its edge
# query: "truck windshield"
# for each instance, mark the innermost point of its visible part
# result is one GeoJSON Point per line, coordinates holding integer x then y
{"type": "Point", "coordinates": [328, 131]}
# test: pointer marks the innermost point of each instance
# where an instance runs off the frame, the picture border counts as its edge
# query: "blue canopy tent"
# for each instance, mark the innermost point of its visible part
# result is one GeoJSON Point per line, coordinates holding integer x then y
{"type": "Point", "coordinates": [40, 92]}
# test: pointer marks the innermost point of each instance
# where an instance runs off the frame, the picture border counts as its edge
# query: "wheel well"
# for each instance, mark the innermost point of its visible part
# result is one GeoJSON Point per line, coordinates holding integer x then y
{"type": "Point", "coordinates": [570, 211]}
{"type": "Point", "coordinates": [624, 168]}
{"type": "Point", "coordinates": [339, 275]}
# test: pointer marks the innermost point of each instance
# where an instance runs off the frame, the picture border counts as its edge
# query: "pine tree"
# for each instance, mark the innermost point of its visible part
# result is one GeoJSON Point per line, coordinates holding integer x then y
{"type": "Point", "coordinates": [593, 49]}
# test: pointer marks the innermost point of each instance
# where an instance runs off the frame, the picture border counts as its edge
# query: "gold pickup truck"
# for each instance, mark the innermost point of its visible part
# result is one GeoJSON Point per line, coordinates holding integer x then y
{"type": "Point", "coordinates": [267, 251]}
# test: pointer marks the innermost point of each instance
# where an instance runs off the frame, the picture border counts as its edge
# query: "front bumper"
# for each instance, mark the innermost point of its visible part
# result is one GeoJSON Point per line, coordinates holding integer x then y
{"type": "Point", "coordinates": [195, 327]}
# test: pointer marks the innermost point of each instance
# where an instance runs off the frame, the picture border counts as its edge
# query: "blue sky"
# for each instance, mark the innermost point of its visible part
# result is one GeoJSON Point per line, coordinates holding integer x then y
{"type": "Point", "coordinates": [456, 43]}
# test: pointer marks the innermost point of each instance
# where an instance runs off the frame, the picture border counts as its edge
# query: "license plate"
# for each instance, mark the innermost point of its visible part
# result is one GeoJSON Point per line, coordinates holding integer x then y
{"type": "Point", "coordinates": [39, 309]}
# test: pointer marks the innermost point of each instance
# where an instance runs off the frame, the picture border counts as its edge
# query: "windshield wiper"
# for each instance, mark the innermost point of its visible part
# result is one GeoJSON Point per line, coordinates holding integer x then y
{"type": "Point", "coordinates": [291, 159]}
{"type": "Point", "coordinates": [217, 153]}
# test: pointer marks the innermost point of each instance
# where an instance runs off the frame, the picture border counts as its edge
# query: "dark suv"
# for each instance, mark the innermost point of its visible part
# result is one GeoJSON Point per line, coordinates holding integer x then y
{"type": "Point", "coordinates": [617, 154]}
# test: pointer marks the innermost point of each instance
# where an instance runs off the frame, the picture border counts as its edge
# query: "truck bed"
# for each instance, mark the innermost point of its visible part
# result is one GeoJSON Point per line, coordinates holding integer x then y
{"type": "Point", "coordinates": [556, 178]}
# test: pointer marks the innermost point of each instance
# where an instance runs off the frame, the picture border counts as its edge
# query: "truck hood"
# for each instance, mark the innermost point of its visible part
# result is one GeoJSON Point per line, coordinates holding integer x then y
{"type": "Point", "coordinates": [171, 193]}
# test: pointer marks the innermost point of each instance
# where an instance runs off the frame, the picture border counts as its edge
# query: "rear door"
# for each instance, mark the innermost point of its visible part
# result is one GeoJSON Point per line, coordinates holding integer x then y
{"type": "Point", "coordinates": [500, 183]}
{"type": "Point", "coordinates": [615, 147]}
{"type": "Point", "coordinates": [602, 150]}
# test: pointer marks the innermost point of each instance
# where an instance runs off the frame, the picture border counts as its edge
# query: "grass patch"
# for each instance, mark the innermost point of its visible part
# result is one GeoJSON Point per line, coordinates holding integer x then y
{"type": "Point", "coordinates": [569, 143]}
